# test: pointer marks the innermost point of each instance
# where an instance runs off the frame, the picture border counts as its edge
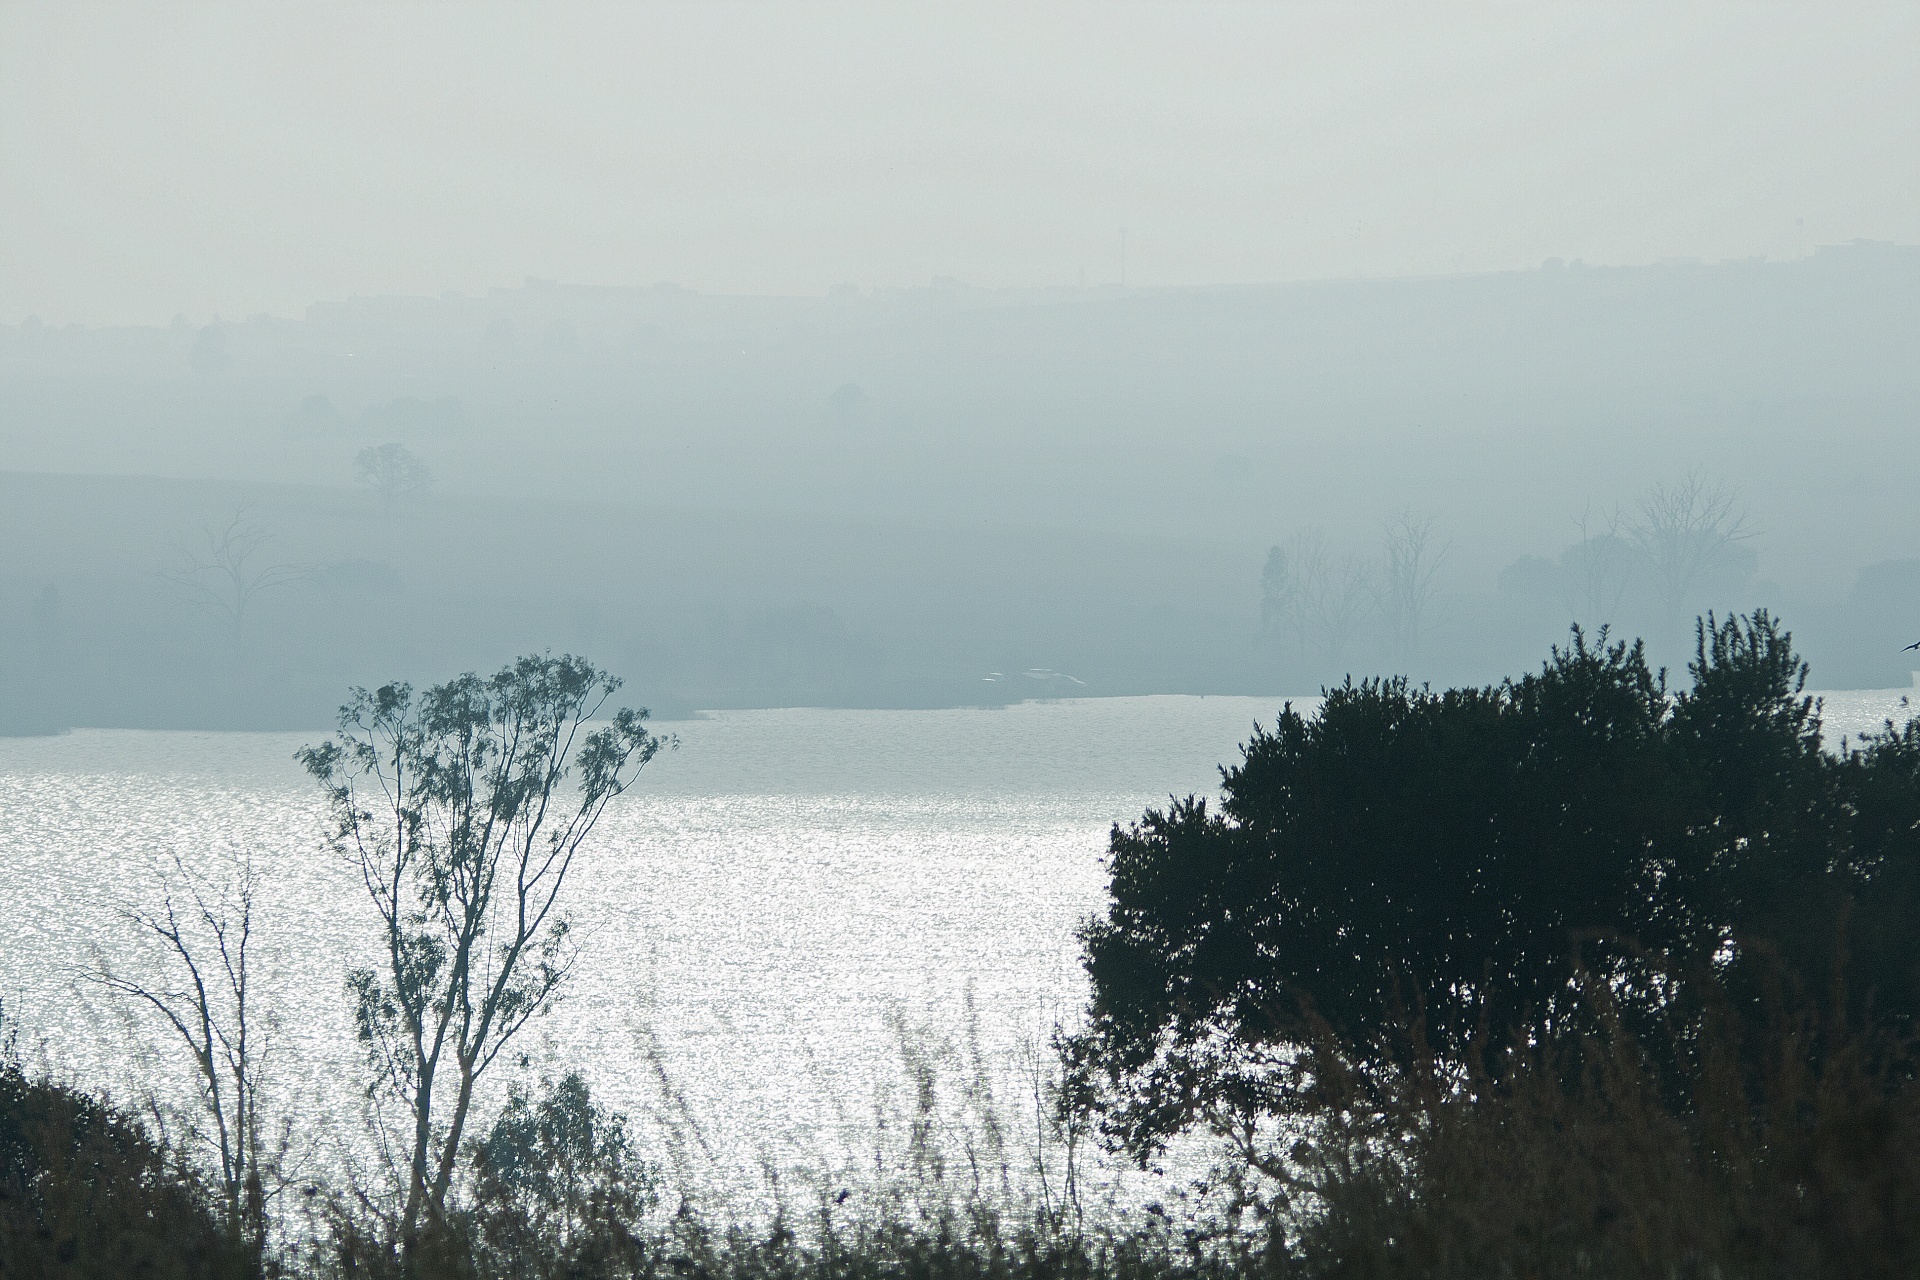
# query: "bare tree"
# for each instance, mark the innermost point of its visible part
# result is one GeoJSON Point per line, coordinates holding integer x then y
{"type": "Point", "coordinates": [393, 471]}
{"type": "Point", "coordinates": [1311, 600]}
{"type": "Point", "coordinates": [463, 810]}
{"type": "Point", "coordinates": [1405, 588]}
{"type": "Point", "coordinates": [1279, 597]}
{"type": "Point", "coordinates": [1685, 532]}
{"type": "Point", "coordinates": [232, 573]}
{"type": "Point", "coordinates": [1598, 569]}
{"type": "Point", "coordinates": [205, 937]}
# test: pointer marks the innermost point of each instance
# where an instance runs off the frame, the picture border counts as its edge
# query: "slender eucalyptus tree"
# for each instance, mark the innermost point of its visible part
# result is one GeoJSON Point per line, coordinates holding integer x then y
{"type": "Point", "coordinates": [463, 808]}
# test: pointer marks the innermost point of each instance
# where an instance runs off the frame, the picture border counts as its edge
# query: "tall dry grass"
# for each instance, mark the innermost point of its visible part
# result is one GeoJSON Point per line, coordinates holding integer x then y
{"type": "Point", "coordinates": [1792, 1149]}
{"type": "Point", "coordinates": [1753, 1135]}
{"type": "Point", "coordinates": [1761, 1138]}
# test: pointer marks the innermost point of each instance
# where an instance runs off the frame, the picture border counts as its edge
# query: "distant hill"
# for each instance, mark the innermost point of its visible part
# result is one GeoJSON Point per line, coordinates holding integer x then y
{"type": "Point", "coordinates": [885, 497]}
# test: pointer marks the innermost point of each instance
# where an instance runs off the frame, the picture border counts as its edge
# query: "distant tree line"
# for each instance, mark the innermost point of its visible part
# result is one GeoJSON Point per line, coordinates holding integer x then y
{"type": "Point", "coordinates": [1684, 540]}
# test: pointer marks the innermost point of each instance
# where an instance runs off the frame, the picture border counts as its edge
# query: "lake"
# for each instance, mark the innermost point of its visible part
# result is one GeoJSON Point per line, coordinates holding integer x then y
{"type": "Point", "coordinates": [788, 923]}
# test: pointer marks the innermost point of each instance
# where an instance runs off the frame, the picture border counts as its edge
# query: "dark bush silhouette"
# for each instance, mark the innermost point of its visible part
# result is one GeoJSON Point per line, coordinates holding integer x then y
{"type": "Point", "coordinates": [84, 1192]}
{"type": "Point", "coordinates": [1793, 1151]}
{"type": "Point", "coordinates": [1452, 862]}
{"type": "Point", "coordinates": [559, 1190]}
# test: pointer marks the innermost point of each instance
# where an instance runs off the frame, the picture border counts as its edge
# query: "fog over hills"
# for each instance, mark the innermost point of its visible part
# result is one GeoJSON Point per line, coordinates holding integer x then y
{"type": "Point", "coordinates": [949, 495]}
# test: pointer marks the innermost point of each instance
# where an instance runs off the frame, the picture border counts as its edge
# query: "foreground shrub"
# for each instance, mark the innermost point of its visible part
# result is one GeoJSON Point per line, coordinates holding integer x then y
{"type": "Point", "coordinates": [1795, 1152]}
{"type": "Point", "coordinates": [559, 1190]}
{"type": "Point", "coordinates": [1456, 859]}
{"type": "Point", "coordinates": [85, 1192]}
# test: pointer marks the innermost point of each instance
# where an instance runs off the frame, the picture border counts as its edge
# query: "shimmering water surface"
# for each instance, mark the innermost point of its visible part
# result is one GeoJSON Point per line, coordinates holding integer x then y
{"type": "Point", "coordinates": [777, 916]}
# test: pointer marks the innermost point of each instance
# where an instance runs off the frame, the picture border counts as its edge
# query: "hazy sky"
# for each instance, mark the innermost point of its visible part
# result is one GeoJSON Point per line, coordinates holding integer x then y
{"type": "Point", "coordinates": [235, 159]}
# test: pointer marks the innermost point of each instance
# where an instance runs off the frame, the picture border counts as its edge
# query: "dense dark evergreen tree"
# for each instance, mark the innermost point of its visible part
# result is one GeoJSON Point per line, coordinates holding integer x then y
{"type": "Point", "coordinates": [1448, 867]}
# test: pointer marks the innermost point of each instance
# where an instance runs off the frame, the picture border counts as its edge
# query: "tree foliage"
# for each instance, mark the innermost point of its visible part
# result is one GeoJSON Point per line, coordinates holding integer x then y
{"type": "Point", "coordinates": [1448, 864]}
{"type": "Point", "coordinates": [560, 1189]}
{"type": "Point", "coordinates": [463, 809]}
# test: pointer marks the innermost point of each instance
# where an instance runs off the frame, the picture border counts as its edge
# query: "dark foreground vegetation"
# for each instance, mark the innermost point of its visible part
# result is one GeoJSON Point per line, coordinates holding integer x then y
{"type": "Point", "coordinates": [1568, 976]}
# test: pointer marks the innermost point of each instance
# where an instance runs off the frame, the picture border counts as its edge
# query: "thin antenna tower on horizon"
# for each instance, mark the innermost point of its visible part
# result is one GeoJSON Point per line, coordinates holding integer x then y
{"type": "Point", "coordinates": [1123, 257]}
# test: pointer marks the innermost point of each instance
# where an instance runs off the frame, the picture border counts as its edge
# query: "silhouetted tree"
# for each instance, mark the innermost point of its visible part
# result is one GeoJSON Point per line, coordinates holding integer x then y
{"type": "Point", "coordinates": [1598, 568]}
{"type": "Point", "coordinates": [1405, 585]}
{"type": "Point", "coordinates": [206, 941]}
{"type": "Point", "coordinates": [1312, 602]}
{"type": "Point", "coordinates": [559, 1190]}
{"type": "Point", "coordinates": [1279, 599]}
{"type": "Point", "coordinates": [463, 809]}
{"type": "Point", "coordinates": [1451, 861]}
{"type": "Point", "coordinates": [231, 574]}
{"type": "Point", "coordinates": [1685, 532]}
{"type": "Point", "coordinates": [393, 471]}
{"type": "Point", "coordinates": [315, 416]}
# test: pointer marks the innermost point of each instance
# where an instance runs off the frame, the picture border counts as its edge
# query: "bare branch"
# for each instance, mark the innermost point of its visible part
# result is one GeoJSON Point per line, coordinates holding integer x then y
{"type": "Point", "coordinates": [213, 1017]}
{"type": "Point", "coordinates": [1598, 568]}
{"type": "Point", "coordinates": [1405, 588]}
{"type": "Point", "coordinates": [1311, 600]}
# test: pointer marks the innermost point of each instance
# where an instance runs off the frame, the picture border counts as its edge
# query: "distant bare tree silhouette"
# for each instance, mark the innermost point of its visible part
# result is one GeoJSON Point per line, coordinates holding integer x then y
{"type": "Point", "coordinates": [1405, 587]}
{"type": "Point", "coordinates": [1685, 531]}
{"type": "Point", "coordinates": [1311, 600]}
{"type": "Point", "coordinates": [231, 573]}
{"type": "Point", "coordinates": [1598, 568]}
{"type": "Point", "coordinates": [393, 471]}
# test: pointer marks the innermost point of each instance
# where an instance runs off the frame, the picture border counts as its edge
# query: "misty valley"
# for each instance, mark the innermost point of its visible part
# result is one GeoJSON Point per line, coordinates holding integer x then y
{"type": "Point", "coordinates": [893, 498]}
